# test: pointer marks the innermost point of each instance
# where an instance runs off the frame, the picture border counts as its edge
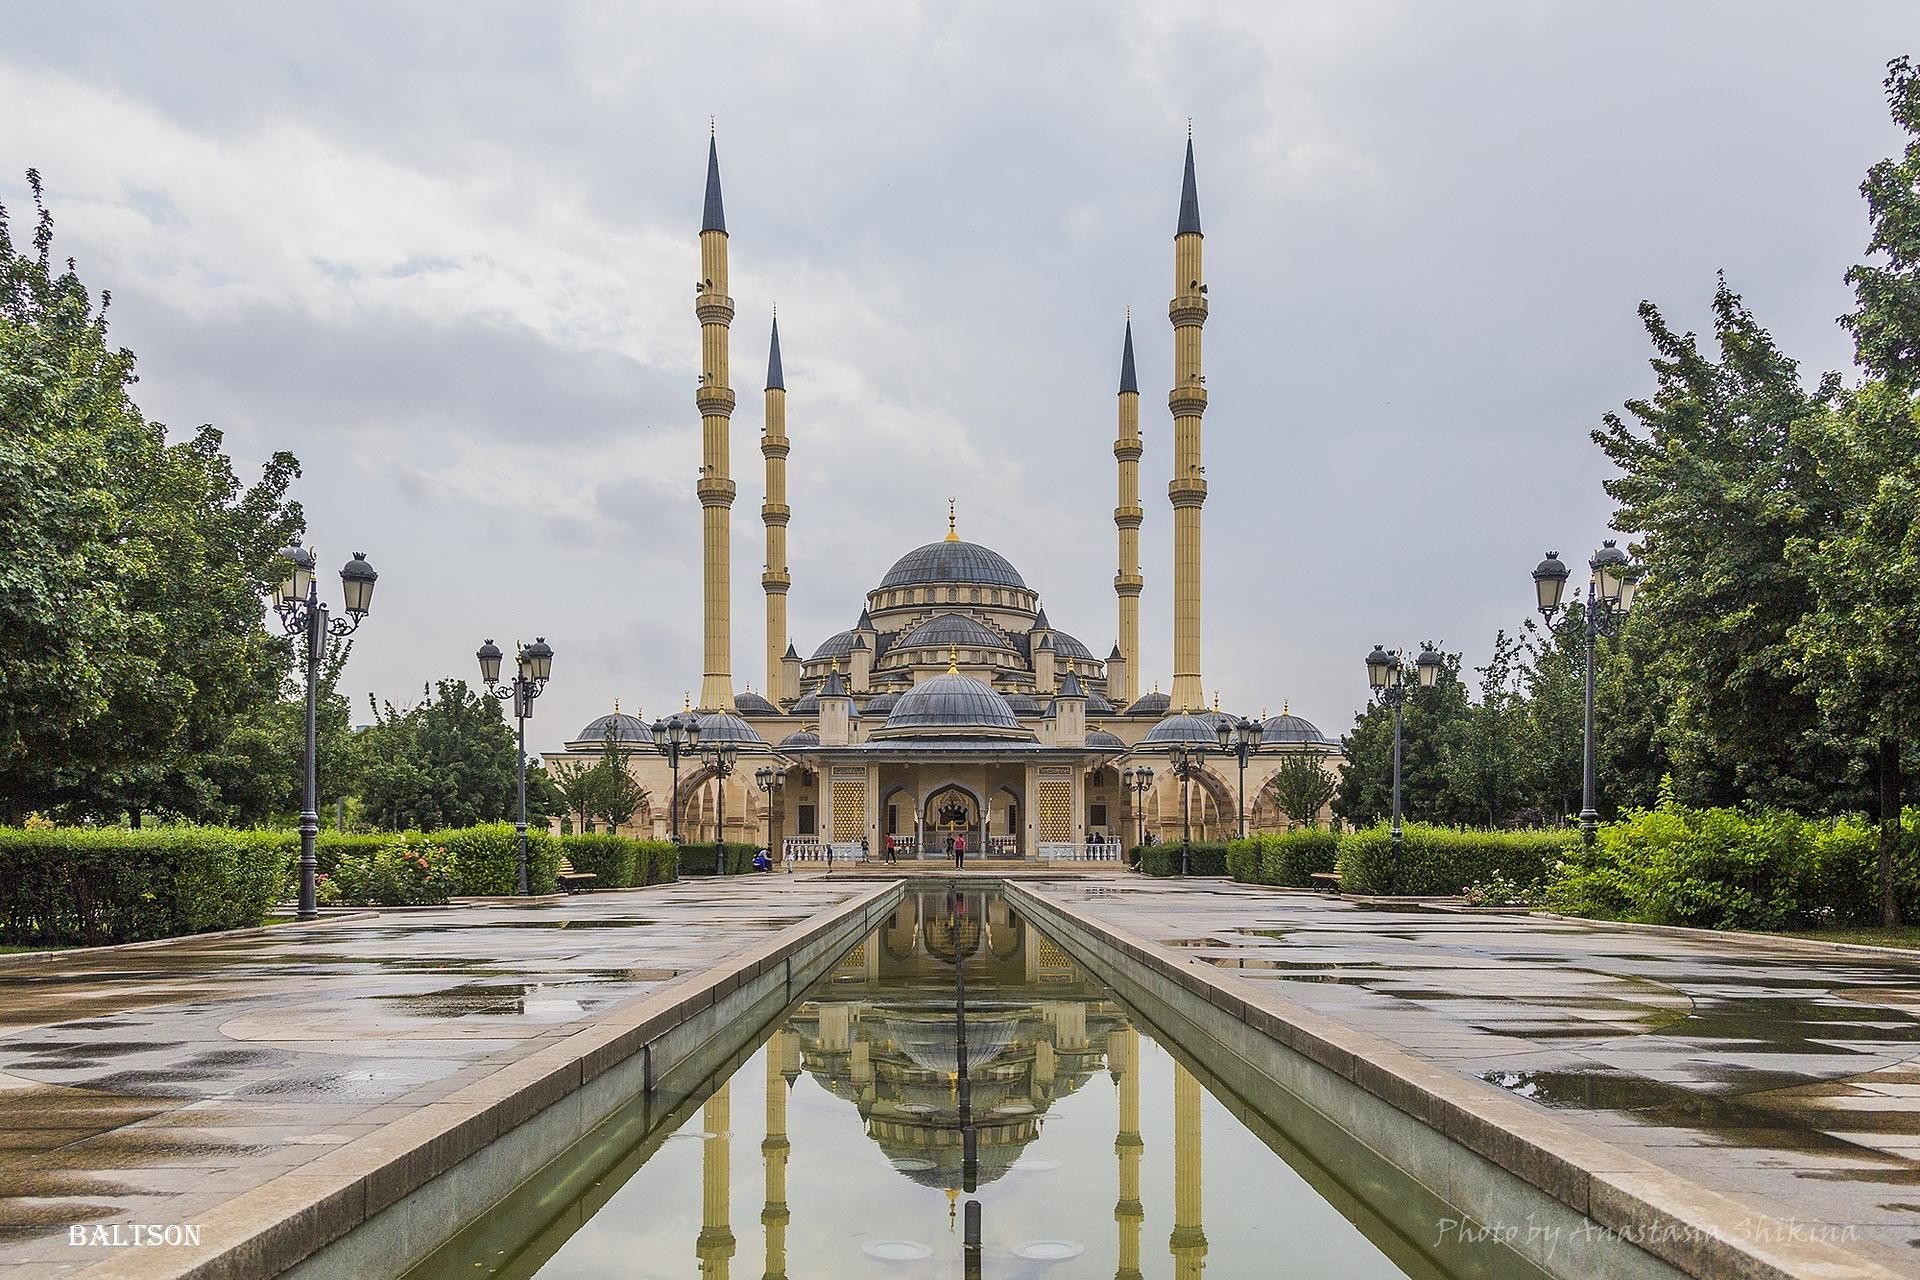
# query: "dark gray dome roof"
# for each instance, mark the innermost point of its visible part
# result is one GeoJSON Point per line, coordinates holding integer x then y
{"type": "Point", "coordinates": [1290, 728]}
{"type": "Point", "coordinates": [1022, 704]}
{"type": "Point", "coordinates": [838, 646]}
{"type": "Point", "coordinates": [948, 703]}
{"type": "Point", "coordinates": [724, 726]}
{"type": "Point", "coordinates": [1097, 704]}
{"type": "Point", "coordinates": [1067, 647]}
{"type": "Point", "coordinates": [1101, 740]}
{"type": "Point", "coordinates": [880, 703]}
{"type": "Point", "coordinates": [753, 704]}
{"type": "Point", "coordinates": [626, 728]}
{"type": "Point", "coordinates": [800, 738]}
{"type": "Point", "coordinates": [1188, 728]}
{"type": "Point", "coordinates": [1150, 704]}
{"type": "Point", "coordinates": [807, 704]}
{"type": "Point", "coordinates": [965, 562]}
{"type": "Point", "coordinates": [946, 629]}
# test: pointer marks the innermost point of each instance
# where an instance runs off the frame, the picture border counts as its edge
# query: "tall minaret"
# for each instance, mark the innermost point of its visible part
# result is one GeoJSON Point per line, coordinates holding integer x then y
{"type": "Point", "coordinates": [714, 307]}
{"type": "Point", "coordinates": [774, 511]}
{"type": "Point", "coordinates": [1123, 1056]}
{"type": "Point", "coordinates": [774, 1151]}
{"type": "Point", "coordinates": [1188, 401]}
{"type": "Point", "coordinates": [716, 1243]}
{"type": "Point", "coordinates": [1126, 518]}
{"type": "Point", "coordinates": [1188, 1244]}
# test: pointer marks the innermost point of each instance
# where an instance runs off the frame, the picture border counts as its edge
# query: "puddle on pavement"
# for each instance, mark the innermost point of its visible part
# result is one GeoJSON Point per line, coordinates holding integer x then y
{"type": "Point", "coordinates": [955, 1062]}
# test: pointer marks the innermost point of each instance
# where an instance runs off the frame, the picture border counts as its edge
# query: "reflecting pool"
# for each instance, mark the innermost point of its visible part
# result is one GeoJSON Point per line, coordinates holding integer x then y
{"type": "Point", "coordinates": [957, 1098]}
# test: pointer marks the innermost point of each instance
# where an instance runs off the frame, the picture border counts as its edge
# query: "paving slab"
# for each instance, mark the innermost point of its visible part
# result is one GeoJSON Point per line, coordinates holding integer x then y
{"type": "Point", "coordinates": [1783, 1076]}
{"type": "Point", "coordinates": [151, 1084]}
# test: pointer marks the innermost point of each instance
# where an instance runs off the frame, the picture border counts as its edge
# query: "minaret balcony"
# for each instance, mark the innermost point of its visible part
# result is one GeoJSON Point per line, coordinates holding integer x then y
{"type": "Point", "coordinates": [1128, 517]}
{"type": "Point", "coordinates": [1188, 309]}
{"type": "Point", "coordinates": [713, 308]}
{"type": "Point", "coordinates": [714, 401]}
{"type": "Point", "coordinates": [1190, 491]}
{"type": "Point", "coordinates": [775, 512]}
{"type": "Point", "coordinates": [714, 491]}
{"type": "Point", "coordinates": [1127, 448]}
{"type": "Point", "coordinates": [775, 446]}
{"type": "Point", "coordinates": [1188, 401]}
{"type": "Point", "coordinates": [1128, 584]}
{"type": "Point", "coordinates": [776, 581]}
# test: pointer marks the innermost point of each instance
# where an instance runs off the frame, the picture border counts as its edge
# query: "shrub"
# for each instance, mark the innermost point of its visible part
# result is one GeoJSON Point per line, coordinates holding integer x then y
{"type": "Point", "coordinates": [616, 860]}
{"type": "Point", "coordinates": [665, 858]}
{"type": "Point", "coordinates": [331, 845]}
{"type": "Point", "coordinates": [1243, 860]}
{"type": "Point", "coordinates": [1292, 858]}
{"type": "Point", "coordinates": [67, 885]}
{"type": "Point", "coordinates": [1209, 859]}
{"type": "Point", "coordinates": [698, 859]}
{"type": "Point", "coordinates": [1445, 860]}
{"type": "Point", "coordinates": [488, 856]}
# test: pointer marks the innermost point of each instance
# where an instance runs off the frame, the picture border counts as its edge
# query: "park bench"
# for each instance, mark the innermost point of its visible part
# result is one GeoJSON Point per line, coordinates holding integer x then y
{"type": "Point", "coordinates": [1331, 879]}
{"type": "Point", "coordinates": [572, 881]}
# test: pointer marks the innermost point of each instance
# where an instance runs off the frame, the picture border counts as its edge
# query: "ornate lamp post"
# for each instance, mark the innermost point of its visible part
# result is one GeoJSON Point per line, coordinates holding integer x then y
{"type": "Point", "coordinates": [1240, 739]}
{"type": "Point", "coordinates": [720, 757]}
{"type": "Point", "coordinates": [676, 736]}
{"type": "Point", "coordinates": [1610, 590]}
{"type": "Point", "coordinates": [532, 665]}
{"type": "Point", "coordinates": [1136, 782]}
{"type": "Point", "coordinates": [772, 782]}
{"type": "Point", "coordinates": [1186, 758]}
{"type": "Point", "coordinates": [1384, 679]}
{"type": "Point", "coordinates": [297, 601]}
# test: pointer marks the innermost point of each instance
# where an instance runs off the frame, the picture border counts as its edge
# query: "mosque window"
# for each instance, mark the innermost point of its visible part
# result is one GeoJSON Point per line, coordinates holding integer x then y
{"type": "Point", "coordinates": [1097, 815]}
{"type": "Point", "coordinates": [806, 820]}
{"type": "Point", "coordinates": [973, 595]}
{"type": "Point", "coordinates": [953, 595]}
{"type": "Point", "coordinates": [893, 819]}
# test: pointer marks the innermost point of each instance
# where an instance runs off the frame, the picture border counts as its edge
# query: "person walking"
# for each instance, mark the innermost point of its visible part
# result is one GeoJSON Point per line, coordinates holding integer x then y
{"type": "Point", "coordinates": [950, 848]}
{"type": "Point", "coordinates": [960, 853]}
{"type": "Point", "coordinates": [828, 846]}
{"type": "Point", "coordinates": [864, 850]}
{"type": "Point", "coordinates": [886, 851]}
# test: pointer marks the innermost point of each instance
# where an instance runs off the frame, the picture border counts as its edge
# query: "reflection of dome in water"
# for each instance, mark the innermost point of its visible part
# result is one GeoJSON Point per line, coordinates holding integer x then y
{"type": "Point", "coordinates": [949, 941]}
{"type": "Point", "coordinates": [930, 1042]}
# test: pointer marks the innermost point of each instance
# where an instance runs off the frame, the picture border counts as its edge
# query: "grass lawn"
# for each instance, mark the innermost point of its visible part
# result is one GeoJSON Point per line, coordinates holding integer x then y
{"type": "Point", "coordinates": [1905, 935]}
{"type": "Point", "coordinates": [7, 949]}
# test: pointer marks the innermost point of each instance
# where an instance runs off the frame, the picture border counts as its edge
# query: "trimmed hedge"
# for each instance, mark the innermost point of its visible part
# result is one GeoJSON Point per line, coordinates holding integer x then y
{"type": "Point", "coordinates": [77, 885]}
{"type": "Point", "coordinates": [1443, 861]}
{"type": "Point", "coordinates": [1203, 859]}
{"type": "Point", "coordinates": [489, 857]}
{"type": "Point", "coordinates": [698, 859]}
{"type": "Point", "coordinates": [1288, 858]}
{"type": "Point", "coordinates": [620, 862]}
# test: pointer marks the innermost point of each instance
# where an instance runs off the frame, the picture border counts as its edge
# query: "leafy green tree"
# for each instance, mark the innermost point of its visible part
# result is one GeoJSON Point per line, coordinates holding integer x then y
{"type": "Point", "coordinates": [449, 762]}
{"type": "Point", "coordinates": [1432, 718]}
{"type": "Point", "coordinates": [132, 568]}
{"type": "Point", "coordinates": [257, 769]}
{"type": "Point", "coordinates": [616, 796]}
{"type": "Point", "coordinates": [1301, 786]}
{"type": "Point", "coordinates": [577, 785]}
{"type": "Point", "coordinates": [1485, 763]}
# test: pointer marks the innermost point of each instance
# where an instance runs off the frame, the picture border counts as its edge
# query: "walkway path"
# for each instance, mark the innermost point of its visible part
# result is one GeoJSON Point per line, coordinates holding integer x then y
{"type": "Point", "coordinates": [143, 1085]}
{"type": "Point", "coordinates": [1786, 1076]}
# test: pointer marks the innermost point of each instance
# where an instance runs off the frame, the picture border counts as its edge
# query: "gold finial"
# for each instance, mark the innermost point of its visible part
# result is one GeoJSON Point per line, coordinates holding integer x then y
{"type": "Point", "coordinates": [1189, 128]}
{"type": "Point", "coordinates": [836, 666]}
{"type": "Point", "coordinates": [616, 706]}
{"type": "Point", "coordinates": [1286, 708]}
{"type": "Point", "coordinates": [686, 701]}
{"type": "Point", "coordinates": [953, 1199]}
{"type": "Point", "coordinates": [1156, 686]}
{"type": "Point", "coordinates": [953, 659]}
{"type": "Point", "coordinates": [711, 128]}
{"type": "Point", "coordinates": [952, 535]}
{"type": "Point", "coordinates": [1216, 699]}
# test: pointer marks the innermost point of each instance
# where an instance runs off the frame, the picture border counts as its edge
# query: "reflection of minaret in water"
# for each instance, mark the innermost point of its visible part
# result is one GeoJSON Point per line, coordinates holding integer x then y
{"type": "Point", "coordinates": [1123, 1058]}
{"type": "Point", "coordinates": [1188, 1242]}
{"type": "Point", "coordinates": [774, 1150]}
{"type": "Point", "coordinates": [716, 1186]}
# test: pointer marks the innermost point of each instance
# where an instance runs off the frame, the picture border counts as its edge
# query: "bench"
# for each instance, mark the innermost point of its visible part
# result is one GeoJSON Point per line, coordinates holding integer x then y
{"type": "Point", "coordinates": [572, 881]}
{"type": "Point", "coordinates": [1329, 878]}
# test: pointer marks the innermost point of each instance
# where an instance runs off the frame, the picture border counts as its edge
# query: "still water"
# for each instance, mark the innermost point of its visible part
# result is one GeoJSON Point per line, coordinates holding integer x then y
{"type": "Point", "coordinates": [956, 1098]}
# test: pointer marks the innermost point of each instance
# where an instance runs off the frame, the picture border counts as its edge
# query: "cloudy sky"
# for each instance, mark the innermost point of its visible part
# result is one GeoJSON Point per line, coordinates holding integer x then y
{"type": "Point", "coordinates": [444, 253]}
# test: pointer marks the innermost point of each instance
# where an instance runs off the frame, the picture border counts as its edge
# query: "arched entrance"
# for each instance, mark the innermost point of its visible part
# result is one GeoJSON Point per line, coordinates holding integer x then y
{"type": "Point", "coordinates": [951, 810]}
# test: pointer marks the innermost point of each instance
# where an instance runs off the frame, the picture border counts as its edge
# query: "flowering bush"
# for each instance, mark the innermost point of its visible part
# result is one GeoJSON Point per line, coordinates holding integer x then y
{"type": "Point", "coordinates": [409, 872]}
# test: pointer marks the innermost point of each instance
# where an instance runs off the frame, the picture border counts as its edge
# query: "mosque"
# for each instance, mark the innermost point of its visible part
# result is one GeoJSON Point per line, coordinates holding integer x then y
{"type": "Point", "coordinates": [953, 706]}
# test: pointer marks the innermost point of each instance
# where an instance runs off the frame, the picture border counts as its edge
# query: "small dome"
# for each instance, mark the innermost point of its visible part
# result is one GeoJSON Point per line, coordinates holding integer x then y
{"type": "Point", "coordinates": [625, 728]}
{"type": "Point", "coordinates": [948, 704]}
{"type": "Point", "coordinates": [1290, 728]}
{"type": "Point", "coordinates": [1184, 729]}
{"type": "Point", "coordinates": [953, 630]}
{"type": "Point", "coordinates": [958, 562]}
{"type": "Point", "coordinates": [752, 704]}
{"type": "Point", "coordinates": [880, 703]}
{"type": "Point", "coordinates": [1101, 740]}
{"type": "Point", "coordinates": [800, 738]}
{"type": "Point", "coordinates": [1068, 647]}
{"type": "Point", "coordinates": [1022, 704]}
{"type": "Point", "coordinates": [808, 704]}
{"type": "Point", "coordinates": [724, 726]}
{"type": "Point", "coordinates": [1097, 704]}
{"type": "Point", "coordinates": [1150, 704]}
{"type": "Point", "coordinates": [834, 647]}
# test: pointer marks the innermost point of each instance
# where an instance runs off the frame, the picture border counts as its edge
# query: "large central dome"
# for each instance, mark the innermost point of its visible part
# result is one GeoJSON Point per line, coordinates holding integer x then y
{"type": "Point", "coordinates": [951, 704]}
{"type": "Point", "coordinates": [963, 562]}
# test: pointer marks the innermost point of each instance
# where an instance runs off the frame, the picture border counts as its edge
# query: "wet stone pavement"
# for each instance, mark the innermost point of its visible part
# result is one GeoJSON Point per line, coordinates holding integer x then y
{"type": "Point", "coordinates": [144, 1085]}
{"type": "Point", "coordinates": [1784, 1076]}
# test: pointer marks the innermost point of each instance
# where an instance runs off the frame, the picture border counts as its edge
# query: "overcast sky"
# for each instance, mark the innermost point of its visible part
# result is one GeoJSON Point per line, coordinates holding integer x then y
{"type": "Point", "coordinates": [445, 255]}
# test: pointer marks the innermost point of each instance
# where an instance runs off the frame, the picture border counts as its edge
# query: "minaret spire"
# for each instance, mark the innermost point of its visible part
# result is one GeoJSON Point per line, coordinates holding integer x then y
{"type": "Point", "coordinates": [774, 512]}
{"type": "Point", "coordinates": [715, 400]}
{"type": "Point", "coordinates": [1127, 517]}
{"type": "Point", "coordinates": [1188, 402]}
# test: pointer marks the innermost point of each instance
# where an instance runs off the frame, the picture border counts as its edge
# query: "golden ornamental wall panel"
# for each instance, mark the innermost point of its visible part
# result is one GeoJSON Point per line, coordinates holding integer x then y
{"type": "Point", "coordinates": [849, 808]}
{"type": "Point", "coordinates": [1054, 810]}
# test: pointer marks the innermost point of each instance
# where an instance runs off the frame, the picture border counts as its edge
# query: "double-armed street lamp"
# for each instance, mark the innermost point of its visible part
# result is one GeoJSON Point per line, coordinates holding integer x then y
{"type": "Point", "coordinates": [1137, 782]}
{"type": "Point", "coordinates": [532, 665]}
{"type": "Point", "coordinates": [1240, 739]}
{"type": "Point", "coordinates": [1384, 679]}
{"type": "Point", "coordinates": [720, 758]}
{"type": "Point", "coordinates": [676, 736]}
{"type": "Point", "coordinates": [772, 783]}
{"type": "Point", "coordinates": [1610, 591]}
{"type": "Point", "coordinates": [297, 601]}
{"type": "Point", "coordinates": [1187, 759]}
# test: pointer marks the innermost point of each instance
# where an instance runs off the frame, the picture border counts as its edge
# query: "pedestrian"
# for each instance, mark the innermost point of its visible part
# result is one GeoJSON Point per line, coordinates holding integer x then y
{"type": "Point", "coordinates": [960, 853]}
{"type": "Point", "coordinates": [887, 851]}
{"type": "Point", "coordinates": [864, 850]}
{"type": "Point", "coordinates": [829, 848]}
{"type": "Point", "coordinates": [950, 848]}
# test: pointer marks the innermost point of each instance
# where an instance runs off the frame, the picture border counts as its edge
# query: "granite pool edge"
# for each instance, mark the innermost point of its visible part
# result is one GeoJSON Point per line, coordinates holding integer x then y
{"type": "Point", "coordinates": [1691, 1227]}
{"type": "Point", "coordinates": [281, 1223]}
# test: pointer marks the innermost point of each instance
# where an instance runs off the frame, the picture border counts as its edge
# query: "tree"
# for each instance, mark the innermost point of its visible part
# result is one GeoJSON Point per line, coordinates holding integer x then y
{"type": "Point", "coordinates": [132, 568]}
{"type": "Point", "coordinates": [616, 796]}
{"type": "Point", "coordinates": [257, 769]}
{"type": "Point", "coordinates": [448, 762]}
{"type": "Point", "coordinates": [1485, 763]}
{"type": "Point", "coordinates": [1431, 718]}
{"type": "Point", "coordinates": [1301, 786]}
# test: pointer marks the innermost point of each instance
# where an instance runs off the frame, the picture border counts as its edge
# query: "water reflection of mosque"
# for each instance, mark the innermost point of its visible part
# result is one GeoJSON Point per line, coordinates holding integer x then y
{"type": "Point", "coordinates": [953, 1100]}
